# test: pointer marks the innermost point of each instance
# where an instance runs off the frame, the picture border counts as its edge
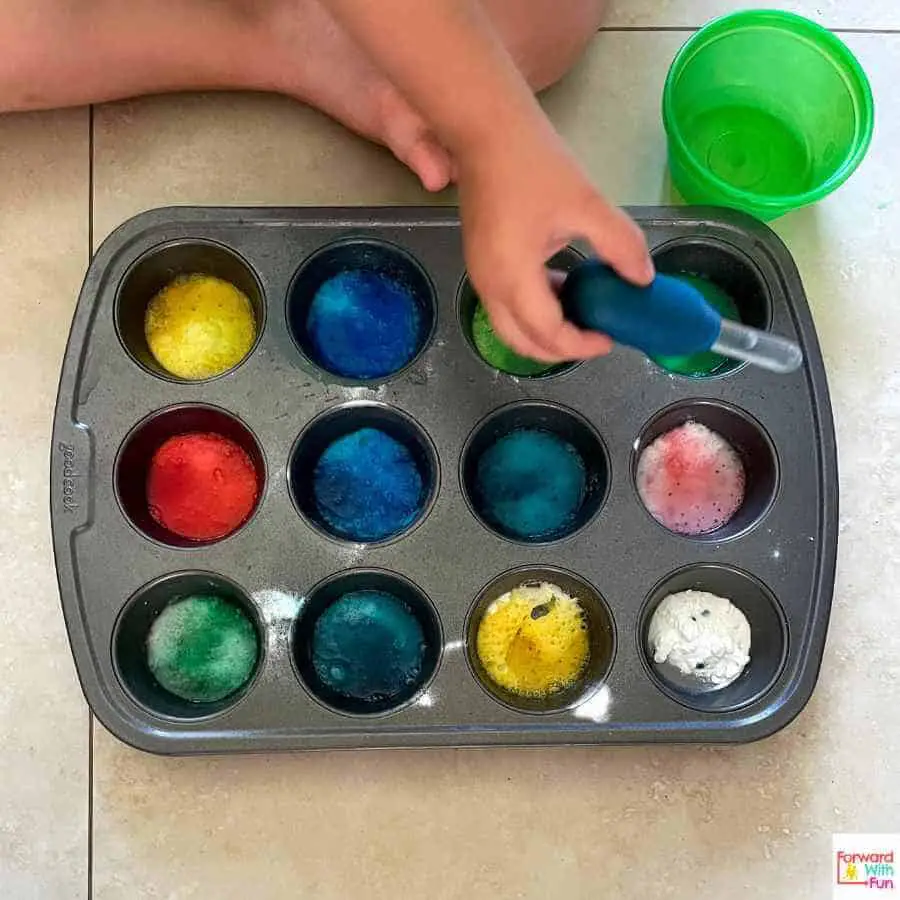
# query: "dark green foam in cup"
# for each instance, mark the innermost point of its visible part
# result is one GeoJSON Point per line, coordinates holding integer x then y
{"type": "Point", "coordinates": [706, 363]}
{"type": "Point", "coordinates": [202, 648]}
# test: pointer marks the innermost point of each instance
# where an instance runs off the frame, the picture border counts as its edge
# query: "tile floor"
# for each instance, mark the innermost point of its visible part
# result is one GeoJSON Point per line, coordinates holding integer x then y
{"type": "Point", "coordinates": [82, 815]}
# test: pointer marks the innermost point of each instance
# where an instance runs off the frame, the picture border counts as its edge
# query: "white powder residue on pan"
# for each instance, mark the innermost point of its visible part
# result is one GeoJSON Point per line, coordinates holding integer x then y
{"type": "Point", "coordinates": [596, 708]}
{"type": "Point", "coordinates": [279, 609]}
{"type": "Point", "coordinates": [361, 392]}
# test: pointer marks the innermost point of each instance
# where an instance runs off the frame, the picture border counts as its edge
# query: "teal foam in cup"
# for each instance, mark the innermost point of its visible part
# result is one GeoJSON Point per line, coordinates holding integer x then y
{"type": "Point", "coordinates": [765, 112]}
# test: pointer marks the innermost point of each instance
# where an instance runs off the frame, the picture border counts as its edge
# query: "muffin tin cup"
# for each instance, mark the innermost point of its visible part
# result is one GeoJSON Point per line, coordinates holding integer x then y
{"type": "Point", "coordinates": [136, 453]}
{"type": "Point", "coordinates": [601, 638]}
{"type": "Point", "coordinates": [129, 643]}
{"type": "Point", "coordinates": [467, 303]}
{"type": "Point", "coordinates": [340, 421]}
{"type": "Point", "coordinates": [746, 436]}
{"type": "Point", "coordinates": [332, 589]}
{"type": "Point", "coordinates": [557, 420]}
{"type": "Point", "coordinates": [156, 269]}
{"type": "Point", "coordinates": [116, 572]}
{"type": "Point", "coordinates": [768, 638]}
{"type": "Point", "coordinates": [357, 253]}
{"type": "Point", "coordinates": [726, 267]}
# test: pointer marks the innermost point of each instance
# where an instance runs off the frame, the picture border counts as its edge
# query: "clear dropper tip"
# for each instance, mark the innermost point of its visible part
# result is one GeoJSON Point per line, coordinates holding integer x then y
{"type": "Point", "coordinates": [768, 351]}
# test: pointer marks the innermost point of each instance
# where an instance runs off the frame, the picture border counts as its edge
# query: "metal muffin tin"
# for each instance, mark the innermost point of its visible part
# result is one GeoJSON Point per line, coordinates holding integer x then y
{"type": "Point", "coordinates": [776, 559]}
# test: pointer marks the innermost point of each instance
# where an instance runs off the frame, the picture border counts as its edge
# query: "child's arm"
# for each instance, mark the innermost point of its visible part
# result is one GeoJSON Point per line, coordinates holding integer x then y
{"type": "Point", "coordinates": [522, 195]}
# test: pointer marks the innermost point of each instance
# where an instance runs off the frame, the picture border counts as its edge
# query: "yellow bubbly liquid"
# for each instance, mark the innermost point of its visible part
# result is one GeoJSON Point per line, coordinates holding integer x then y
{"type": "Point", "coordinates": [533, 640]}
{"type": "Point", "coordinates": [199, 326]}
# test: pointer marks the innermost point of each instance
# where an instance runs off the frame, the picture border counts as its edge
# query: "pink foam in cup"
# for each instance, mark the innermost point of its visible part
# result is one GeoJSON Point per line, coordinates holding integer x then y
{"type": "Point", "coordinates": [691, 479]}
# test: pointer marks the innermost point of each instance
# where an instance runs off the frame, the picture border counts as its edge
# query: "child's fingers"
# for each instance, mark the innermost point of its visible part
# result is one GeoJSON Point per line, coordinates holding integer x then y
{"type": "Point", "coordinates": [619, 242]}
{"type": "Point", "coordinates": [506, 326]}
{"type": "Point", "coordinates": [567, 344]}
{"type": "Point", "coordinates": [583, 344]}
{"type": "Point", "coordinates": [598, 344]}
{"type": "Point", "coordinates": [539, 314]}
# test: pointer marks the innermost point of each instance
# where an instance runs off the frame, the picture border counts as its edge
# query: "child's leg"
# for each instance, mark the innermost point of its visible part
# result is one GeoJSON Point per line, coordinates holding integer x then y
{"type": "Point", "coordinates": [545, 37]}
{"type": "Point", "coordinates": [63, 53]}
{"type": "Point", "coordinates": [57, 53]}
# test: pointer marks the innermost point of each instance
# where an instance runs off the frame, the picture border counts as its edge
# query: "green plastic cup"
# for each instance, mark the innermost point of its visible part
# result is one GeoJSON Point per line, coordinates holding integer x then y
{"type": "Point", "coordinates": [766, 112]}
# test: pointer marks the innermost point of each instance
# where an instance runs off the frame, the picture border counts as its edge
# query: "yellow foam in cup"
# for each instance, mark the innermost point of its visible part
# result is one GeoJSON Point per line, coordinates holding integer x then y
{"type": "Point", "coordinates": [199, 326]}
{"type": "Point", "coordinates": [533, 640]}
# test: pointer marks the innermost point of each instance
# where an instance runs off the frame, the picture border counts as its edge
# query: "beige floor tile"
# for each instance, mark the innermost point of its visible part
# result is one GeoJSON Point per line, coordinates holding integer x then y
{"type": "Point", "coordinates": [692, 13]}
{"type": "Point", "coordinates": [43, 719]}
{"type": "Point", "coordinates": [736, 823]}
{"type": "Point", "coordinates": [234, 149]}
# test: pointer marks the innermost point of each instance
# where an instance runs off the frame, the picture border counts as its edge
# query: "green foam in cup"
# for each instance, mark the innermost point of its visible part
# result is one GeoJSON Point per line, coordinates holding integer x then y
{"type": "Point", "coordinates": [765, 112]}
{"type": "Point", "coordinates": [705, 363]}
{"type": "Point", "coordinates": [497, 354]}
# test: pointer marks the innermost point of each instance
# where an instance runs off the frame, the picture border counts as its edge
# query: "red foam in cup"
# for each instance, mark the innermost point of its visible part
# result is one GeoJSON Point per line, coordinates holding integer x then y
{"type": "Point", "coordinates": [201, 486]}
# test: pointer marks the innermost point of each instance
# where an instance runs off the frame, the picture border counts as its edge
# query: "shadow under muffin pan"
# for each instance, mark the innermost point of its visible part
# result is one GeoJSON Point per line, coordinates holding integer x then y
{"type": "Point", "coordinates": [116, 572]}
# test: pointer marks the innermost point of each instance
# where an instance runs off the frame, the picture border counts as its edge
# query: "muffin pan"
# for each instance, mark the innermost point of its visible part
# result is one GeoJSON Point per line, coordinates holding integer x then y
{"type": "Point", "coordinates": [117, 568]}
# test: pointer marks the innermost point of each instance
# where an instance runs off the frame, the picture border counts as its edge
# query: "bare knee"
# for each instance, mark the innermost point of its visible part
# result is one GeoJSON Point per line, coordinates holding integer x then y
{"type": "Point", "coordinates": [545, 37]}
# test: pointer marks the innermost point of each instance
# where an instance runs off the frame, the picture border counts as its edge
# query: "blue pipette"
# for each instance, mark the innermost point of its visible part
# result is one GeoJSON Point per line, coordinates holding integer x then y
{"type": "Point", "coordinates": [667, 318]}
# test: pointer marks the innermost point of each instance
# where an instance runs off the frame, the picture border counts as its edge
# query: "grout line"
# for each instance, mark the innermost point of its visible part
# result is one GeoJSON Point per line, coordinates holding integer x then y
{"type": "Point", "coordinates": [90, 797]}
{"type": "Point", "coordinates": [90, 182]}
{"type": "Point", "coordinates": [627, 28]}
{"type": "Point", "coordinates": [689, 29]}
{"type": "Point", "coordinates": [90, 843]}
{"type": "Point", "coordinates": [866, 30]}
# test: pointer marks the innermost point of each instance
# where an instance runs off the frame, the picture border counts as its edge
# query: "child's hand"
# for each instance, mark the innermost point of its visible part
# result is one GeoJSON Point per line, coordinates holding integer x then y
{"type": "Point", "coordinates": [521, 202]}
{"type": "Point", "coordinates": [522, 194]}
